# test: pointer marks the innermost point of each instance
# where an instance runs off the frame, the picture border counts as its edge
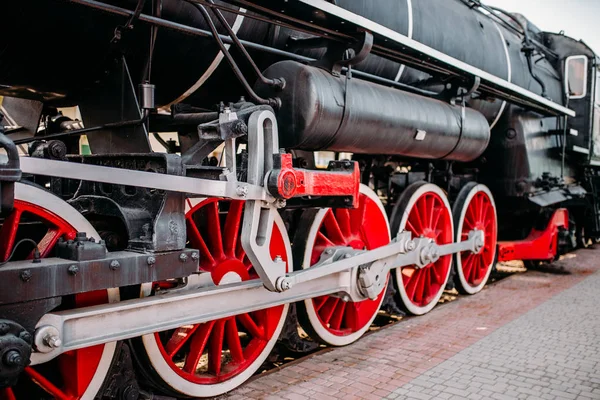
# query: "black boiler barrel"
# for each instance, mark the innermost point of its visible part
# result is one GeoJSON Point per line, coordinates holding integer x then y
{"type": "Point", "coordinates": [321, 111]}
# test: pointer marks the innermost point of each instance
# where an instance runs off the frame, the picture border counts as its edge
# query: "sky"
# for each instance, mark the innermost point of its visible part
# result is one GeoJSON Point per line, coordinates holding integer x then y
{"type": "Point", "coordinates": [579, 19]}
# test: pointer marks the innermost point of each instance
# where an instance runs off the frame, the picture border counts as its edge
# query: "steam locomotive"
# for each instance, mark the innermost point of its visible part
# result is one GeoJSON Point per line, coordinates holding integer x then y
{"type": "Point", "coordinates": [456, 135]}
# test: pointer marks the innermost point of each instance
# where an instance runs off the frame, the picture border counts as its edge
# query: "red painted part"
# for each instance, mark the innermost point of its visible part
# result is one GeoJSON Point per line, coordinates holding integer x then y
{"type": "Point", "coordinates": [219, 350]}
{"type": "Point", "coordinates": [75, 368]}
{"type": "Point", "coordinates": [362, 228]}
{"type": "Point", "coordinates": [539, 245]}
{"type": "Point", "coordinates": [480, 215]}
{"type": "Point", "coordinates": [293, 182]}
{"type": "Point", "coordinates": [429, 218]}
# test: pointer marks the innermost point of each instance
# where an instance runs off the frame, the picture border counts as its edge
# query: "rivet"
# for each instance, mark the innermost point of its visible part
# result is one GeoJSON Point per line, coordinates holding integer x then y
{"type": "Point", "coordinates": [151, 260]}
{"type": "Point", "coordinates": [26, 275]}
{"type": "Point", "coordinates": [183, 257]}
{"type": "Point", "coordinates": [195, 256]}
{"type": "Point", "coordinates": [115, 265]}
{"type": "Point", "coordinates": [73, 269]}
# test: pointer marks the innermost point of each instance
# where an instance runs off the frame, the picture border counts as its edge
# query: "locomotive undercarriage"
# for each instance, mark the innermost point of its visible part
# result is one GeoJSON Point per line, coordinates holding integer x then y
{"type": "Point", "coordinates": [351, 275]}
{"type": "Point", "coordinates": [173, 274]}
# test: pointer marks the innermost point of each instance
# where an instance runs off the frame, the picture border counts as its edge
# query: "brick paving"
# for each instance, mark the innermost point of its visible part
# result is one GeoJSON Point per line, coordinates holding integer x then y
{"type": "Point", "coordinates": [534, 335]}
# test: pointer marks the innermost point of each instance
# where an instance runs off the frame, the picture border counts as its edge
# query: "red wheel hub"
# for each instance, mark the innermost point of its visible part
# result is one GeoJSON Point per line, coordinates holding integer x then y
{"type": "Point", "coordinates": [429, 217]}
{"type": "Point", "coordinates": [480, 215]}
{"type": "Point", "coordinates": [69, 375]}
{"type": "Point", "coordinates": [215, 351]}
{"type": "Point", "coordinates": [362, 228]}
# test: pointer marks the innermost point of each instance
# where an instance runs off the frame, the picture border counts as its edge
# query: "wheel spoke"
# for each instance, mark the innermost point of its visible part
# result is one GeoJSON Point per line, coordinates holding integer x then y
{"type": "Point", "coordinates": [179, 338]}
{"type": "Point", "coordinates": [338, 315]}
{"type": "Point", "coordinates": [46, 384]}
{"type": "Point", "coordinates": [417, 214]}
{"type": "Point", "coordinates": [357, 216]}
{"type": "Point", "coordinates": [233, 341]}
{"type": "Point", "coordinates": [435, 274]}
{"type": "Point", "coordinates": [413, 280]}
{"type": "Point", "coordinates": [420, 285]}
{"type": "Point", "coordinates": [438, 214]}
{"type": "Point", "coordinates": [47, 243]}
{"type": "Point", "coordinates": [215, 238]}
{"type": "Point", "coordinates": [320, 302]}
{"type": "Point", "coordinates": [481, 207]}
{"type": "Point", "coordinates": [343, 217]}
{"type": "Point", "coordinates": [429, 209]}
{"type": "Point", "coordinates": [232, 227]}
{"type": "Point", "coordinates": [334, 233]}
{"type": "Point", "coordinates": [8, 233]}
{"type": "Point", "coordinates": [328, 309]}
{"type": "Point", "coordinates": [215, 348]}
{"type": "Point", "coordinates": [253, 329]}
{"type": "Point", "coordinates": [206, 260]}
{"type": "Point", "coordinates": [197, 345]}
{"type": "Point", "coordinates": [7, 394]}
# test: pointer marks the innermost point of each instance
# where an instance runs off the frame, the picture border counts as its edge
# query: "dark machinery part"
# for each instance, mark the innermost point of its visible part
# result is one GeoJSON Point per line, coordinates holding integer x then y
{"type": "Point", "coordinates": [121, 383]}
{"type": "Point", "coordinates": [64, 79]}
{"type": "Point", "coordinates": [9, 171]}
{"type": "Point", "coordinates": [84, 265]}
{"type": "Point", "coordinates": [145, 219]}
{"type": "Point", "coordinates": [15, 350]}
{"type": "Point", "coordinates": [321, 111]}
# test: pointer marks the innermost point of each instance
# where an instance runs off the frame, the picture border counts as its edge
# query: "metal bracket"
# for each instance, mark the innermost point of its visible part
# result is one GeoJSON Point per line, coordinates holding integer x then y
{"type": "Point", "coordinates": [340, 55]}
{"type": "Point", "coordinates": [10, 171]}
{"type": "Point", "coordinates": [263, 143]}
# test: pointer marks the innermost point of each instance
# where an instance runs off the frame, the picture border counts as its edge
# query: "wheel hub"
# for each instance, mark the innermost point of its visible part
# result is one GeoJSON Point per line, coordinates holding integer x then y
{"type": "Point", "coordinates": [15, 350]}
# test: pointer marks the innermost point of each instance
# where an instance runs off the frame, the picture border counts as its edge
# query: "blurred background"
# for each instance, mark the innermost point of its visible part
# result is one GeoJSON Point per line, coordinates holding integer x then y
{"type": "Point", "coordinates": [579, 19]}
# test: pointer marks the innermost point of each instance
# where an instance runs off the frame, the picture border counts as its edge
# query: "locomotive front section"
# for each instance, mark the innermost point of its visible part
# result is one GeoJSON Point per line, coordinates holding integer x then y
{"type": "Point", "coordinates": [177, 260]}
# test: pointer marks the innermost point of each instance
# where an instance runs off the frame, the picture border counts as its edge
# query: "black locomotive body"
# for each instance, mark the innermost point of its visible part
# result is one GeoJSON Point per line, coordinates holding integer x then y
{"type": "Point", "coordinates": [459, 135]}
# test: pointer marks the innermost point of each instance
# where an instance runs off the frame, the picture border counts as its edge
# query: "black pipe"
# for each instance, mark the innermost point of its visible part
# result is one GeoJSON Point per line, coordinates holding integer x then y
{"type": "Point", "coordinates": [277, 83]}
{"type": "Point", "coordinates": [249, 45]}
{"type": "Point", "coordinates": [273, 102]}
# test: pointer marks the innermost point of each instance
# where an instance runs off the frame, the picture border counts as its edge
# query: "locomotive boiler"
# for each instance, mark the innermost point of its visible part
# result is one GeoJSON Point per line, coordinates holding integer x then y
{"type": "Point", "coordinates": [458, 135]}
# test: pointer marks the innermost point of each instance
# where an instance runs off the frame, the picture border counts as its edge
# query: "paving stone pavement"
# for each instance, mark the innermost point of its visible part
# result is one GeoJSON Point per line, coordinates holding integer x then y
{"type": "Point", "coordinates": [530, 336]}
{"type": "Point", "coordinates": [551, 352]}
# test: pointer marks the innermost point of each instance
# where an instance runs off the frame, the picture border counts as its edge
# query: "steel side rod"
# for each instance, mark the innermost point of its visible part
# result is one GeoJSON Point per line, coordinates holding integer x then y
{"type": "Point", "coordinates": [120, 176]}
{"type": "Point", "coordinates": [105, 323]}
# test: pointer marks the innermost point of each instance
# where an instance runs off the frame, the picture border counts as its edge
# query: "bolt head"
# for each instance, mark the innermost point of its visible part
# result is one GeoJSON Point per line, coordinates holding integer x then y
{"type": "Point", "coordinates": [328, 252]}
{"type": "Point", "coordinates": [241, 191]}
{"type": "Point", "coordinates": [26, 336]}
{"type": "Point", "coordinates": [195, 256]}
{"type": "Point", "coordinates": [347, 255]}
{"type": "Point", "coordinates": [410, 245]}
{"type": "Point", "coordinates": [26, 275]}
{"type": "Point", "coordinates": [151, 260]}
{"type": "Point", "coordinates": [73, 269]}
{"type": "Point", "coordinates": [53, 341]}
{"type": "Point", "coordinates": [13, 358]}
{"type": "Point", "coordinates": [183, 257]}
{"type": "Point", "coordinates": [114, 265]}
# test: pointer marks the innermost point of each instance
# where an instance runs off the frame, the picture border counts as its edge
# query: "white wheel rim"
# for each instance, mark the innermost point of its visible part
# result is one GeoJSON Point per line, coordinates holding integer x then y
{"type": "Point", "coordinates": [52, 203]}
{"type": "Point", "coordinates": [182, 385]}
{"type": "Point", "coordinates": [406, 301]}
{"type": "Point", "coordinates": [323, 333]}
{"type": "Point", "coordinates": [459, 266]}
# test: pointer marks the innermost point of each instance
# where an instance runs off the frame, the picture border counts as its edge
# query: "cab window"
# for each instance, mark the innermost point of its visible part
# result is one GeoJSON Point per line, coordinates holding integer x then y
{"type": "Point", "coordinates": [576, 77]}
